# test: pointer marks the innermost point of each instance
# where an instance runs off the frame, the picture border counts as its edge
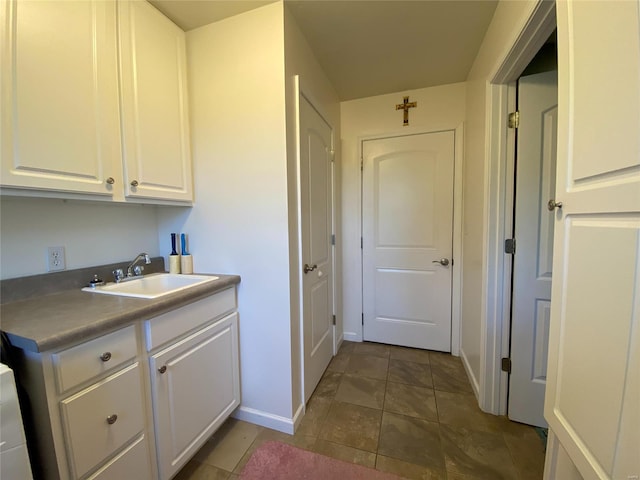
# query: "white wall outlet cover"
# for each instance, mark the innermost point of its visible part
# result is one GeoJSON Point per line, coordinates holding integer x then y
{"type": "Point", "coordinates": [55, 259]}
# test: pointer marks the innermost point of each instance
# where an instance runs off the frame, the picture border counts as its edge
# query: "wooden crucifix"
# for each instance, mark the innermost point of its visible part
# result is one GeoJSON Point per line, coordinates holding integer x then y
{"type": "Point", "coordinates": [406, 105]}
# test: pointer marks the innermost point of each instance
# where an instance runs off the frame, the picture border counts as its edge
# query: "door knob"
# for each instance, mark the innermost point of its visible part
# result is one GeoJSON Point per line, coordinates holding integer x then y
{"type": "Point", "coordinates": [552, 205]}
{"type": "Point", "coordinates": [443, 261]}
{"type": "Point", "coordinates": [307, 268]}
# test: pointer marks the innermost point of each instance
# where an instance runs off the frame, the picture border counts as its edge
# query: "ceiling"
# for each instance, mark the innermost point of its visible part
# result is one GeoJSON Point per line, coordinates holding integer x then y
{"type": "Point", "coordinates": [371, 47]}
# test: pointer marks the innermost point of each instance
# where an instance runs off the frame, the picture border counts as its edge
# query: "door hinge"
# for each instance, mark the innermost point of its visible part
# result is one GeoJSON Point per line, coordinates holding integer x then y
{"type": "Point", "coordinates": [333, 155]}
{"type": "Point", "coordinates": [514, 119]}
{"type": "Point", "coordinates": [333, 239]}
{"type": "Point", "coordinates": [361, 243]}
{"type": "Point", "coordinates": [363, 319]}
{"type": "Point", "coordinates": [506, 365]}
{"type": "Point", "coordinates": [334, 319]}
{"type": "Point", "coordinates": [361, 165]}
{"type": "Point", "coordinates": [510, 246]}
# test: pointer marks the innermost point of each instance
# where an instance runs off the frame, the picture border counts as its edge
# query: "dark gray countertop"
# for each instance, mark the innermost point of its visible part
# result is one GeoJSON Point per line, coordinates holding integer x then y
{"type": "Point", "coordinates": [52, 321]}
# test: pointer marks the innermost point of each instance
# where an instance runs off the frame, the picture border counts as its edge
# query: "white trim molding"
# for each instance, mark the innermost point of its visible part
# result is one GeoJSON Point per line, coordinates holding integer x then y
{"type": "Point", "coordinates": [498, 203]}
{"type": "Point", "coordinates": [269, 420]}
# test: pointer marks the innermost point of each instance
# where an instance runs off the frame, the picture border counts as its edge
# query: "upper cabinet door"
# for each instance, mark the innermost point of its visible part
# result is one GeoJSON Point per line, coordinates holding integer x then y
{"type": "Point", "coordinates": [59, 96]}
{"type": "Point", "coordinates": [157, 157]}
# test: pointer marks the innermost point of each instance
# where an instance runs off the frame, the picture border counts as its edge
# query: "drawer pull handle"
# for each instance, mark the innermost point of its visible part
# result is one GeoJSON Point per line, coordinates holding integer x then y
{"type": "Point", "coordinates": [162, 369]}
{"type": "Point", "coordinates": [111, 419]}
{"type": "Point", "coordinates": [105, 357]}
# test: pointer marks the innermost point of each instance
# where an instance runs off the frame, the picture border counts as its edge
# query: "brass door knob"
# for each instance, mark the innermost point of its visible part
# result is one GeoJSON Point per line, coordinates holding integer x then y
{"type": "Point", "coordinates": [552, 205]}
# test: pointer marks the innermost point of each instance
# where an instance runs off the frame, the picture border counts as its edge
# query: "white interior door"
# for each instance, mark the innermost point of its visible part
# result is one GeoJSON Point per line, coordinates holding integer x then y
{"type": "Point", "coordinates": [532, 264]}
{"type": "Point", "coordinates": [407, 224]}
{"type": "Point", "coordinates": [593, 378]}
{"type": "Point", "coordinates": [316, 139]}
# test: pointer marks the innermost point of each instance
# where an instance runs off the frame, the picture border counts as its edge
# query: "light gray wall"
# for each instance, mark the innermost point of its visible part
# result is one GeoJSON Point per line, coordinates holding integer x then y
{"type": "Point", "coordinates": [239, 223]}
{"type": "Point", "coordinates": [92, 233]}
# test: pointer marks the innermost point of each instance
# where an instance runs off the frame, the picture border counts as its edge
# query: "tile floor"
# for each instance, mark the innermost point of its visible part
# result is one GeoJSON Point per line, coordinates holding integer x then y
{"type": "Point", "coordinates": [406, 411]}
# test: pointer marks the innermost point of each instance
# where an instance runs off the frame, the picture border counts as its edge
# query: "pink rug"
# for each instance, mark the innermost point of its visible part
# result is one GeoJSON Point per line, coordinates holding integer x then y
{"type": "Point", "coordinates": [279, 461]}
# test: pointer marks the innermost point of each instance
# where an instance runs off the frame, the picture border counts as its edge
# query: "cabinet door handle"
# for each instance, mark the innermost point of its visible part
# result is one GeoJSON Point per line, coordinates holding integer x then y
{"type": "Point", "coordinates": [162, 369]}
{"type": "Point", "coordinates": [111, 419]}
{"type": "Point", "coordinates": [105, 357]}
{"type": "Point", "coordinates": [110, 181]}
{"type": "Point", "coordinates": [134, 183]}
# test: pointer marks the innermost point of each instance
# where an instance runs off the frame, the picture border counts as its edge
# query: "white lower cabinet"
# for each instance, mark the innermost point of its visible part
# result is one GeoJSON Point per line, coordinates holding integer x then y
{"type": "Point", "coordinates": [101, 406]}
{"type": "Point", "coordinates": [194, 388]}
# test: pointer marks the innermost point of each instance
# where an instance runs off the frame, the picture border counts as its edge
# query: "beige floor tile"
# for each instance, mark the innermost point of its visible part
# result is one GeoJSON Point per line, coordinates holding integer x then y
{"type": "Point", "coordinates": [448, 373]}
{"type": "Point", "coordinates": [412, 440]}
{"type": "Point", "coordinates": [410, 373]}
{"type": "Point", "coordinates": [317, 410]}
{"type": "Point", "coordinates": [344, 453]}
{"type": "Point", "coordinates": [339, 362]}
{"type": "Point", "coordinates": [266, 435]}
{"type": "Point", "coordinates": [352, 425]}
{"type": "Point", "coordinates": [527, 450]}
{"type": "Point", "coordinates": [371, 366]}
{"type": "Point", "coordinates": [195, 470]}
{"type": "Point", "coordinates": [415, 355]}
{"type": "Point", "coordinates": [462, 410]}
{"type": "Point", "coordinates": [328, 385]}
{"type": "Point", "coordinates": [369, 348]}
{"type": "Point", "coordinates": [228, 445]}
{"type": "Point", "coordinates": [408, 470]}
{"type": "Point", "coordinates": [367, 392]}
{"type": "Point", "coordinates": [410, 400]}
{"type": "Point", "coordinates": [480, 454]}
{"type": "Point", "coordinates": [347, 347]}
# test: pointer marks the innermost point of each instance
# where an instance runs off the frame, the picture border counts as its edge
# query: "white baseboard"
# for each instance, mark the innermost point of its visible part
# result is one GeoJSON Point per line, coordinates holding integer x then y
{"type": "Point", "coordinates": [352, 337]}
{"type": "Point", "coordinates": [269, 420]}
{"type": "Point", "coordinates": [297, 417]}
{"type": "Point", "coordinates": [475, 385]}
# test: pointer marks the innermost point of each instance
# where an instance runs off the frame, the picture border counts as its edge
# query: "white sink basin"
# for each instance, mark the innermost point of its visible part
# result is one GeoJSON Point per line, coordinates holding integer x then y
{"type": "Point", "coordinates": [152, 286]}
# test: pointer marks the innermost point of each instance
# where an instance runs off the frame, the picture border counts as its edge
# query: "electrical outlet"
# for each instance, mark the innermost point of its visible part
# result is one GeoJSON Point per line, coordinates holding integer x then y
{"type": "Point", "coordinates": [55, 259]}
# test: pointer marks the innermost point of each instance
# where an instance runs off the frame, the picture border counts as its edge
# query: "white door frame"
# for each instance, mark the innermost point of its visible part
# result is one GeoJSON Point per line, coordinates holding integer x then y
{"type": "Point", "coordinates": [456, 268]}
{"type": "Point", "coordinates": [301, 90]}
{"type": "Point", "coordinates": [499, 201]}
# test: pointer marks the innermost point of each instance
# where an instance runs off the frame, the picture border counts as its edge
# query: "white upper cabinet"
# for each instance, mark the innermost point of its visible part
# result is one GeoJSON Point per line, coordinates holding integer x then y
{"type": "Point", "coordinates": [59, 96]}
{"type": "Point", "coordinates": [69, 127]}
{"type": "Point", "coordinates": [157, 158]}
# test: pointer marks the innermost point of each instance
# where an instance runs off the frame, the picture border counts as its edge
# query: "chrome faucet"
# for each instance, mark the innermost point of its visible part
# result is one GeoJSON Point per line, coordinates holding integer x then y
{"type": "Point", "coordinates": [134, 270]}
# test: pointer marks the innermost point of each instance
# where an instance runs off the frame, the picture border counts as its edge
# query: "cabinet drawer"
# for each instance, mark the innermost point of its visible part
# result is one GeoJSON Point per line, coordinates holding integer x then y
{"type": "Point", "coordinates": [102, 418]}
{"type": "Point", "coordinates": [132, 462]}
{"type": "Point", "coordinates": [166, 327]}
{"type": "Point", "coordinates": [90, 359]}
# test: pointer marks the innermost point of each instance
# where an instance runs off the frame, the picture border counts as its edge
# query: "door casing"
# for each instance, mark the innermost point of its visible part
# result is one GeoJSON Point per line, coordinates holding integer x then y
{"type": "Point", "coordinates": [496, 290]}
{"type": "Point", "coordinates": [456, 268]}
